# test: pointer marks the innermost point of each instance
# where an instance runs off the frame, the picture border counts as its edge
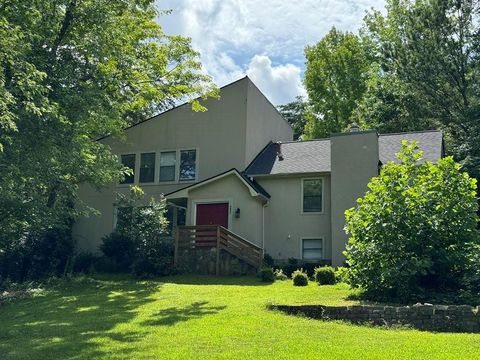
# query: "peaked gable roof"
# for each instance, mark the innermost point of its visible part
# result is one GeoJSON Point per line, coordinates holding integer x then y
{"type": "Point", "coordinates": [255, 188]}
{"type": "Point", "coordinates": [313, 156]}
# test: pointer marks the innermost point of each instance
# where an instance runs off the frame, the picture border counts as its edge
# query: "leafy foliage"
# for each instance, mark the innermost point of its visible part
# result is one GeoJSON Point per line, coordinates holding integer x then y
{"type": "Point", "coordinates": [70, 72]}
{"type": "Point", "coordinates": [324, 275]}
{"type": "Point", "coordinates": [266, 274]}
{"type": "Point", "coordinates": [280, 275]}
{"type": "Point", "coordinates": [413, 231]}
{"type": "Point", "coordinates": [335, 79]}
{"type": "Point", "coordinates": [300, 278]}
{"type": "Point", "coordinates": [297, 113]}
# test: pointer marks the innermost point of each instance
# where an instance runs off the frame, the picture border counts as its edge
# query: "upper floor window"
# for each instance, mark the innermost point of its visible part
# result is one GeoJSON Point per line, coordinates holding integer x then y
{"type": "Point", "coordinates": [128, 160]}
{"type": "Point", "coordinates": [168, 161]}
{"type": "Point", "coordinates": [188, 169]}
{"type": "Point", "coordinates": [312, 190]}
{"type": "Point", "coordinates": [147, 167]}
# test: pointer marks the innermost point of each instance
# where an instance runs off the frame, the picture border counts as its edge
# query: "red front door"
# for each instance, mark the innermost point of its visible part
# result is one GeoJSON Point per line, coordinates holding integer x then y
{"type": "Point", "coordinates": [212, 214]}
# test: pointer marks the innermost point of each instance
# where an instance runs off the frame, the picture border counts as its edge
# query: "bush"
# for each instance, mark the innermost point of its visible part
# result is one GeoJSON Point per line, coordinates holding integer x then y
{"type": "Point", "coordinates": [266, 274]}
{"type": "Point", "coordinates": [300, 278]}
{"type": "Point", "coordinates": [120, 250]}
{"type": "Point", "coordinates": [341, 274]}
{"type": "Point", "coordinates": [413, 231]}
{"type": "Point", "coordinates": [324, 275]}
{"type": "Point", "coordinates": [154, 258]}
{"type": "Point", "coordinates": [279, 275]}
{"type": "Point", "coordinates": [268, 260]}
{"type": "Point", "coordinates": [84, 262]}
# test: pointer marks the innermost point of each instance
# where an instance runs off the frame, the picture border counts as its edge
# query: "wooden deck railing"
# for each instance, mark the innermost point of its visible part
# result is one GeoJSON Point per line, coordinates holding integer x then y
{"type": "Point", "coordinates": [215, 236]}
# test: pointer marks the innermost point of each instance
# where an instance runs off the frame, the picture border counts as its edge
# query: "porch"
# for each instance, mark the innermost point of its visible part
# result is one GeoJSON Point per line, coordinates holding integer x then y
{"type": "Point", "coordinates": [205, 245]}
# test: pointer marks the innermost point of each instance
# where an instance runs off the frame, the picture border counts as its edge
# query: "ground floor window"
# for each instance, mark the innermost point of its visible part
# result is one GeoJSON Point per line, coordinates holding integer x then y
{"type": "Point", "coordinates": [312, 249]}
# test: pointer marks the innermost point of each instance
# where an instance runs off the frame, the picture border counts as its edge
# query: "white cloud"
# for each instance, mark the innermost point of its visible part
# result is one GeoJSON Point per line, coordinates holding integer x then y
{"type": "Point", "coordinates": [279, 83]}
{"type": "Point", "coordinates": [235, 37]}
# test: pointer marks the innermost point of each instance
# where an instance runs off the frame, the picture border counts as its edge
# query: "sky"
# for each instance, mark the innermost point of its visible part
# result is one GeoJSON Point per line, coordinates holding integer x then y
{"type": "Point", "coordinates": [262, 39]}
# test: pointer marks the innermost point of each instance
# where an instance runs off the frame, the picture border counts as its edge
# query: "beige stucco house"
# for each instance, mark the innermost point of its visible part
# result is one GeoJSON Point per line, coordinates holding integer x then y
{"type": "Point", "coordinates": [237, 166]}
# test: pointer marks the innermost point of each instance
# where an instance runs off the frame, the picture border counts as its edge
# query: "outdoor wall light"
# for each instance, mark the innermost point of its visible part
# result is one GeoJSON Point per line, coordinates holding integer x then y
{"type": "Point", "coordinates": [237, 213]}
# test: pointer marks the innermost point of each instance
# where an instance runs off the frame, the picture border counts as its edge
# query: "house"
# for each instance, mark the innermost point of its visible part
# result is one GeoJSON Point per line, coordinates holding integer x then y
{"type": "Point", "coordinates": [237, 166]}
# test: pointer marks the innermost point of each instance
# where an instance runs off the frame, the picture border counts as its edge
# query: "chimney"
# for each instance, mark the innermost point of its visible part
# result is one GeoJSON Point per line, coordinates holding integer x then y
{"type": "Point", "coordinates": [279, 151]}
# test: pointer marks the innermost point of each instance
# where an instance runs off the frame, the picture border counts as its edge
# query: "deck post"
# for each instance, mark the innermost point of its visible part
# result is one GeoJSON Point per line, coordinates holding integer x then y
{"type": "Point", "coordinates": [217, 265]}
{"type": "Point", "coordinates": [175, 255]}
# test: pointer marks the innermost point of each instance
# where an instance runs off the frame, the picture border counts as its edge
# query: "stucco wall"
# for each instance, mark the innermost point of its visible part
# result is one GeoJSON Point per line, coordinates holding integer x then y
{"type": "Point", "coordinates": [354, 161]}
{"type": "Point", "coordinates": [264, 123]}
{"type": "Point", "coordinates": [285, 225]}
{"type": "Point", "coordinates": [231, 189]}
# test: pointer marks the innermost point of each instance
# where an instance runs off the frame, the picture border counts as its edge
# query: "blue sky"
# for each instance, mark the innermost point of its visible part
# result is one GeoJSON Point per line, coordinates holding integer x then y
{"type": "Point", "coordinates": [262, 39]}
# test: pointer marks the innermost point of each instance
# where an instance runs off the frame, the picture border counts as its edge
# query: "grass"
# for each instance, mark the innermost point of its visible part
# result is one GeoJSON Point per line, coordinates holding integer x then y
{"type": "Point", "coordinates": [202, 318]}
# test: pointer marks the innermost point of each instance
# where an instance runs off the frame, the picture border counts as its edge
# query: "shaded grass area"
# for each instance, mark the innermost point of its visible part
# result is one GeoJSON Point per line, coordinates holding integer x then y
{"type": "Point", "coordinates": [187, 317]}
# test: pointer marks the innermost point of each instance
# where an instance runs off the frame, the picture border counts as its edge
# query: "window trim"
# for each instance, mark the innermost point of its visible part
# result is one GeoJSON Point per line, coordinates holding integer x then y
{"type": "Point", "coordinates": [136, 177]}
{"type": "Point", "coordinates": [135, 170]}
{"type": "Point", "coordinates": [323, 196]}
{"type": "Point", "coordinates": [174, 181]}
{"type": "Point", "coordinates": [179, 158]}
{"type": "Point", "coordinates": [321, 238]}
{"type": "Point", "coordinates": [155, 179]}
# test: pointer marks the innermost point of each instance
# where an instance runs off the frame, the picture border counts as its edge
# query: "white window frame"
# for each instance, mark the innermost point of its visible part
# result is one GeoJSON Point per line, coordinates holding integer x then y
{"type": "Point", "coordinates": [323, 196]}
{"type": "Point", "coordinates": [155, 175]}
{"type": "Point", "coordinates": [177, 168]}
{"type": "Point", "coordinates": [179, 158]}
{"type": "Point", "coordinates": [211, 201]}
{"type": "Point", "coordinates": [135, 171]}
{"type": "Point", "coordinates": [321, 238]}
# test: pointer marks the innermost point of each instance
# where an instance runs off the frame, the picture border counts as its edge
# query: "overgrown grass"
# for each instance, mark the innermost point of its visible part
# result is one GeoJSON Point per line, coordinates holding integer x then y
{"type": "Point", "coordinates": [202, 318]}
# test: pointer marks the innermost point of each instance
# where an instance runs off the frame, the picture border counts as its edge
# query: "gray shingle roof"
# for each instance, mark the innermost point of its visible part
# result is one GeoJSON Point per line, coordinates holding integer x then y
{"type": "Point", "coordinates": [430, 142]}
{"type": "Point", "coordinates": [314, 155]}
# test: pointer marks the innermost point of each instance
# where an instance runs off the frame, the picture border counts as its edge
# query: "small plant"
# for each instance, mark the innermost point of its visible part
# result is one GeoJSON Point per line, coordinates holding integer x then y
{"type": "Point", "coordinates": [300, 278]}
{"type": "Point", "coordinates": [268, 260]}
{"type": "Point", "coordinates": [324, 275]}
{"type": "Point", "coordinates": [280, 275]}
{"type": "Point", "coordinates": [341, 274]}
{"type": "Point", "coordinates": [266, 274]}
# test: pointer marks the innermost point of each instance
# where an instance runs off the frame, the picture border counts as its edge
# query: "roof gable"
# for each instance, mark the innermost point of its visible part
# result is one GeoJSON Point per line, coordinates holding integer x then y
{"type": "Point", "coordinates": [254, 188]}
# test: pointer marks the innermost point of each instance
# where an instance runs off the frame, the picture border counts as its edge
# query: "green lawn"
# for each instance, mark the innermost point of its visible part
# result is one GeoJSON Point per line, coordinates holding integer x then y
{"type": "Point", "coordinates": [199, 318]}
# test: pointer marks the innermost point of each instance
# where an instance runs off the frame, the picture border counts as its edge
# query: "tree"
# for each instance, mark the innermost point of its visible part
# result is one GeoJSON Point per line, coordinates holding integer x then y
{"type": "Point", "coordinates": [297, 114]}
{"type": "Point", "coordinates": [431, 48]}
{"type": "Point", "coordinates": [335, 79]}
{"type": "Point", "coordinates": [72, 71]}
{"type": "Point", "coordinates": [413, 231]}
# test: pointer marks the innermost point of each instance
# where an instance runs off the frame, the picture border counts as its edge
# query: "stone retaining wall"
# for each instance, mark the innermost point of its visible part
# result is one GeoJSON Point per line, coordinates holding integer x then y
{"type": "Point", "coordinates": [442, 318]}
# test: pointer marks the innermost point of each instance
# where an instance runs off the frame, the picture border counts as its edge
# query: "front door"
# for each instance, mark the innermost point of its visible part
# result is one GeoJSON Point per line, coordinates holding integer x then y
{"type": "Point", "coordinates": [212, 214]}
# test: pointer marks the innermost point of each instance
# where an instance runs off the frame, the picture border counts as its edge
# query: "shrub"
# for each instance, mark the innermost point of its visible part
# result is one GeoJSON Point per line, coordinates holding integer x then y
{"type": "Point", "coordinates": [120, 250]}
{"type": "Point", "coordinates": [84, 262]}
{"type": "Point", "coordinates": [266, 274]}
{"type": "Point", "coordinates": [300, 278]}
{"type": "Point", "coordinates": [268, 260]}
{"type": "Point", "coordinates": [279, 275]}
{"type": "Point", "coordinates": [154, 258]}
{"type": "Point", "coordinates": [341, 274]}
{"type": "Point", "coordinates": [413, 231]}
{"type": "Point", "coordinates": [324, 275]}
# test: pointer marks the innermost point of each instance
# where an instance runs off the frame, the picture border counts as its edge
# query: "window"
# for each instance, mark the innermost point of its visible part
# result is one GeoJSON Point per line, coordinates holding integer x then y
{"type": "Point", "coordinates": [147, 167]}
{"type": "Point", "coordinates": [167, 165]}
{"type": "Point", "coordinates": [312, 249]}
{"type": "Point", "coordinates": [312, 195]}
{"type": "Point", "coordinates": [187, 164]}
{"type": "Point", "coordinates": [129, 162]}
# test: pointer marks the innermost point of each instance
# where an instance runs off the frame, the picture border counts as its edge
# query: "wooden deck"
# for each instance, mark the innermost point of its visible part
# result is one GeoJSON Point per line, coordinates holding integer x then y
{"type": "Point", "coordinates": [190, 238]}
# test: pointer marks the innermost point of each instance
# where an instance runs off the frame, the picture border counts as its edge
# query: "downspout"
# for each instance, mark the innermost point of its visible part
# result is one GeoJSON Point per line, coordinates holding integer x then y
{"type": "Point", "coordinates": [267, 202]}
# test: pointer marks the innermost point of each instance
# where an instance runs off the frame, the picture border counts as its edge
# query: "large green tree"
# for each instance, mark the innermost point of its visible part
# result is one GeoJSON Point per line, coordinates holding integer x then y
{"type": "Point", "coordinates": [71, 71]}
{"type": "Point", "coordinates": [429, 64]}
{"type": "Point", "coordinates": [335, 78]}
